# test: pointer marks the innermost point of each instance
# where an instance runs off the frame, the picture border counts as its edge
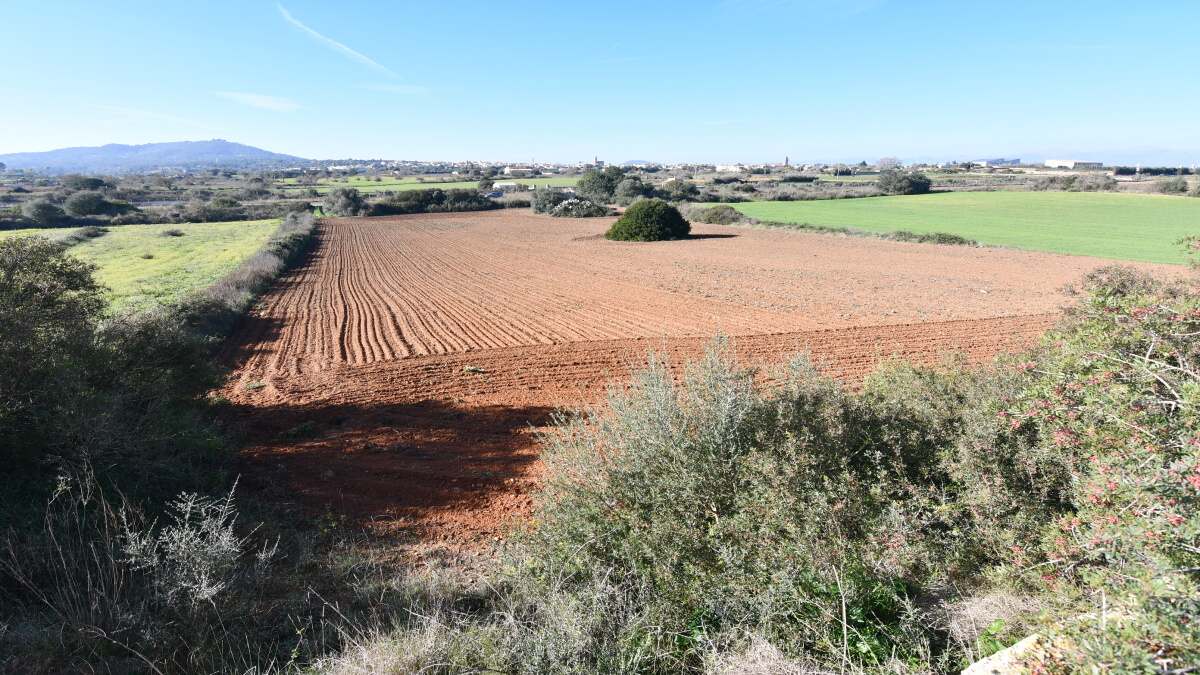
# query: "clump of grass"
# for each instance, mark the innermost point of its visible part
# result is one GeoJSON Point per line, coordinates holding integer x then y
{"type": "Point", "coordinates": [172, 232]}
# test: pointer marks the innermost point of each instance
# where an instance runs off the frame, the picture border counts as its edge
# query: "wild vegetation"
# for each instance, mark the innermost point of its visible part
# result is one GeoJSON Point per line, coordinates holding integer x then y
{"type": "Point", "coordinates": [649, 220]}
{"type": "Point", "coordinates": [915, 525]}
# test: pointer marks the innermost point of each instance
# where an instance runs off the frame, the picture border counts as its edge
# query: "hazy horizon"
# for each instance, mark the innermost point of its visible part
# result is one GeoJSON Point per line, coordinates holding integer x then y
{"type": "Point", "coordinates": [724, 81]}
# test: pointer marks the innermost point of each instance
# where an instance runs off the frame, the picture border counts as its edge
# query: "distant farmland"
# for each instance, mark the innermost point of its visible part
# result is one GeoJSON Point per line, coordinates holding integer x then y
{"type": "Point", "coordinates": [142, 266]}
{"type": "Point", "coordinates": [368, 185]}
{"type": "Point", "coordinates": [1105, 225]}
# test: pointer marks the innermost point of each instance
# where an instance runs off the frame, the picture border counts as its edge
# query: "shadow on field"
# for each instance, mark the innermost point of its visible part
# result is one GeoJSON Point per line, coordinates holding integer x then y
{"type": "Point", "coordinates": [416, 466]}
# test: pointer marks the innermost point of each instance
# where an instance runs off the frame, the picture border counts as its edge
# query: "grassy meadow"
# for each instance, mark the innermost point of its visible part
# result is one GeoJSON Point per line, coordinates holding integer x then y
{"type": "Point", "coordinates": [142, 266]}
{"type": "Point", "coordinates": [1106, 225]}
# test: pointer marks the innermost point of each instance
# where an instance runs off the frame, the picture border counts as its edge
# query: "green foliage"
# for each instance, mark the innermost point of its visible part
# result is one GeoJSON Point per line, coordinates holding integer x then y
{"type": "Point", "coordinates": [730, 508]}
{"type": "Point", "coordinates": [901, 182]}
{"type": "Point", "coordinates": [649, 220]}
{"type": "Point", "coordinates": [343, 202]}
{"type": "Point", "coordinates": [545, 199]}
{"type": "Point", "coordinates": [629, 190]}
{"type": "Point", "coordinates": [931, 238]}
{"type": "Point", "coordinates": [678, 190]}
{"type": "Point", "coordinates": [217, 210]}
{"type": "Point", "coordinates": [579, 208]}
{"type": "Point", "coordinates": [43, 213]}
{"type": "Point", "coordinates": [721, 214]}
{"type": "Point", "coordinates": [600, 186]}
{"type": "Point", "coordinates": [49, 311]}
{"type": "Point", "coordinates": [87, 203]}
{"type": "Point", "coordinates": [434, 200]}
{"type": "Point", "coordinates": [76, 182]}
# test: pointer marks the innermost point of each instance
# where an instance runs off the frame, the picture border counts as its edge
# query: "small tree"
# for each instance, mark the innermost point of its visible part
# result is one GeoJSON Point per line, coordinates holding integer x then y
{"type": "Point", "coordinates": [629, 189]}
{"type": "Point", "coordinates": [43, 213]}
{"type": "Point", "coordinates": [899, 182]}
{"type": "Point", "coordinates": [486, 184]}
{"type": "Point", "coordinates": [650, 220]}
{"type": "Point", "coordinates": [600, 186]}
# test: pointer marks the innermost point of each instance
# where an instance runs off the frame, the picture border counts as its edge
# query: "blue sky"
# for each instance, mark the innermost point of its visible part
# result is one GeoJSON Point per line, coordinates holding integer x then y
{"type": "Point", "coordinates": [727, 80]}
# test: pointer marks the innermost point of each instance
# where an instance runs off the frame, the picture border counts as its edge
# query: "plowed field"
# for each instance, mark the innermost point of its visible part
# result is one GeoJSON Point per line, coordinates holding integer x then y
{"type": "Point", "coordinates": [397, 375]}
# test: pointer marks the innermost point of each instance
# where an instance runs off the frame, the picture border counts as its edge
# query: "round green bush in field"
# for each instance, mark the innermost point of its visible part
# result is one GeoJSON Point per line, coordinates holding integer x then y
{"type": "Point", "coordinates": [650, 220]}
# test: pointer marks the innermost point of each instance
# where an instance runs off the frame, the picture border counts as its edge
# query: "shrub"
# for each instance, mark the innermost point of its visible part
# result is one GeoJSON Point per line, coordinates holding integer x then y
{"type": "Point", "coordinates": [1173, 186]}
{"type": "Point", "coordinates": [719, 215]}
{"type": "Point", "coordinates": [434, 200]}
{"type": "Point", "coordinates": [343, 202]}
{"type": "Point", "coordinates": [649, 220]}
{"type": "Point", "coordinates": [219, 209]}
{"type": "Point", "coordinates": [931, 238]}
{"type": "Point", "coordinates": [172, 232]}
{"type": "Point", "coordinates": [75, 182]}
{"type": "Point", "coordinates": [43, 213]}
{"type": "Point", "coordinates": [545, 199]}
{"type": "Point", "coordinates": [50, 309]}
{"type": "Point", "coordinates": [900, 182]}
{"type": "Point", "coordinates": [83, 234]}
{"type": "Point", "coordinates": [88, 203]}
{"type": "Point", "coordinates": [579, 208]}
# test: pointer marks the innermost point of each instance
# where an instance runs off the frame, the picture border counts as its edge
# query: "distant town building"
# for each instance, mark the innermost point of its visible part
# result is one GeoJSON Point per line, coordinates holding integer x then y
{"type": "Point", "coordinates": [519, 171]}
{"type": "Point", "coordinates": [731, 168]}
{"type": "Point", "coordinates": [998, 161]}
{"type": "Point", "coordinates": [1072, 164]}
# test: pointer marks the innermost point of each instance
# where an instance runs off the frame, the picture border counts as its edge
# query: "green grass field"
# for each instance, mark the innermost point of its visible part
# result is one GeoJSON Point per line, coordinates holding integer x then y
{"type": "Point", "coordinates": [367, 185]}
{"type": "Point", "coordinates": [176, 266]}
{"type": "Point", "coordinates": [1105, 225]}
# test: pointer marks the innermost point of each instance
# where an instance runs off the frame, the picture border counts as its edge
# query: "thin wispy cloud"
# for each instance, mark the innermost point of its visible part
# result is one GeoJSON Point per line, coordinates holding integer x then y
{"type": "Point", "coordinates": [262, 101]}
{"type": "Point", "coordinates": [411, 89]}
{"type": "Point", "coordinates": [333, 44]}
{"type": "Point", "coordinates": [129, 113]}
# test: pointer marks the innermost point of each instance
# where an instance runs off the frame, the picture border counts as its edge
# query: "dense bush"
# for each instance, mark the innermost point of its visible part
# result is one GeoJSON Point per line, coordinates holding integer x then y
{"type": "Point", "coordinates": [629, 190]}
{"type": "Point", "coordinates": [219, 209]}
{"type": "Point", "coordinates": [649, 220]}
{"type": "Point", "coordinates": [76, 182]}
{"type": "Point", "coordinates": [43, 213]}
{"type": "Point", "coordinates": [600, 186]}
{"type": "Point", "coordinates": [1075, 183]}
{"type": "Point", "coordinates": [579, 208]}
{"type": "Point", "coordinates": [87, 203]}
{"type": "Point", "coordinates": [343, 202]}
{"type": "Point", "coordinates": [901, 182]}
{"type": "Point", "coordinates": [434, 200]}
{"type": "Point", "coordinates": [1173, 186]}
{"type": "Point", "coordinates": [678, 190]}
{"type": "Point", "coordinates": [545, 199]}
{"type": "Point", "coordinates": [718, 215]}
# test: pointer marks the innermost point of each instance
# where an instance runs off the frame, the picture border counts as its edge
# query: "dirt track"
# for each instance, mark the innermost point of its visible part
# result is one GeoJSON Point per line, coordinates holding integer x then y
{"type": "Point", "coordinates": [396, 376]}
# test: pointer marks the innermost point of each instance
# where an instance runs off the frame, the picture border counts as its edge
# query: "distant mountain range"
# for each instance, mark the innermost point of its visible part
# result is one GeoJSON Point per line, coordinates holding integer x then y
{"type": "Point", "coordinates": [115, 158]}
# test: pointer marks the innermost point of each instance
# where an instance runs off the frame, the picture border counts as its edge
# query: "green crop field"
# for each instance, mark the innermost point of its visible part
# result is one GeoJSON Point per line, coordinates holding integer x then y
{"type": "Point", "coordinates": [1106, 225]}
{"type": "Point", "coordinates": [368, 185]}
{"type": "Point", "coordinates": [142, 267]}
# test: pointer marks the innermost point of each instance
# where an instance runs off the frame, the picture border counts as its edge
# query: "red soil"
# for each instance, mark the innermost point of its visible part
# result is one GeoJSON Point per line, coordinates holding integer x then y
{"type": "Point", "coordinates": [397, 377]}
